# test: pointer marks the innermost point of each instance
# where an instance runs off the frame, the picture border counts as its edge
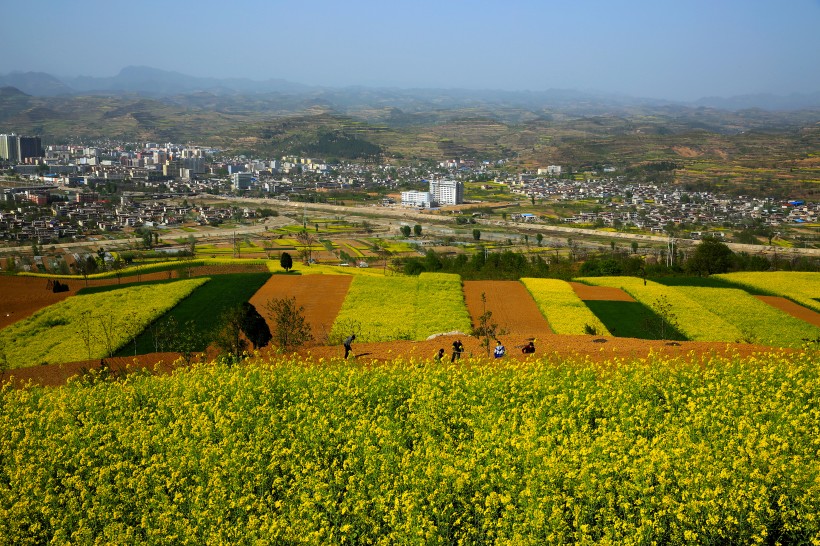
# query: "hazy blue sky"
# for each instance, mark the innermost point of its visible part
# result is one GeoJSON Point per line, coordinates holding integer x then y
{"type": "Point", "coordinates": [682, 49]}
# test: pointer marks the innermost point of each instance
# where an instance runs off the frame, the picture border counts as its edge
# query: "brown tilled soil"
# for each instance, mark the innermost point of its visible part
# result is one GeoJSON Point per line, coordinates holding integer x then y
{"type": "Point", "coordinates": [795, 310]}
{"type": "Point", "coordinates": [21, 297]}
{"type": "Point", "coordinates": [513, 308]}
{"type": "Point", "coordinates": [603, 293]}
{"type": "Point", "coordinates": [320, 295]}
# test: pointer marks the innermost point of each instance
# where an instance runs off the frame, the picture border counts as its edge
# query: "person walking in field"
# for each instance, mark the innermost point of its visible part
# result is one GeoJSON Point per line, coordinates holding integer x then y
{"type": "Point", "coordinates": [347, 343]}
{"type": "Point", "coordinates": [458, 348]}
{"type": "Point", "coordinates": [499, 350]}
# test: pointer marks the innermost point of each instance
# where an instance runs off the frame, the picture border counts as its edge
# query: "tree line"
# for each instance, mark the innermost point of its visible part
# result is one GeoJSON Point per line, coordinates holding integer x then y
{"type": "Point", "coordinates": [709, 257]}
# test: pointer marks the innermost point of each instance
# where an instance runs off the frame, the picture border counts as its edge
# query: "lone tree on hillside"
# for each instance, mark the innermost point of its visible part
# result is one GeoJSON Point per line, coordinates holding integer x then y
{"type": "Point", "coordinates": [476, 234]}
{"type": "Point", "coordinates": [286, 261]}
{"type": "Point", "coordinates": [487, 330]}
{"type": "Point", "coordinates": [290, 329]}
{"type": "Point", "coordinates": [306, 239]}
{"type": "Point", "coordinates": [417, 230]}
{"type": "Point", "coordinates": [405, 230]}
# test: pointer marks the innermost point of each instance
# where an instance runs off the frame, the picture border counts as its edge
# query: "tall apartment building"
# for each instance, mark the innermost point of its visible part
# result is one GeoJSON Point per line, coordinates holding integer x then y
{"type": "Point", "coordinates": [29, 147]}
{"type": "Point", "coordinates": [20, 148]}
{"type": "Point", "coordinates": [8, 148]}
{"type": "Point", "coordinates": [447, 192]}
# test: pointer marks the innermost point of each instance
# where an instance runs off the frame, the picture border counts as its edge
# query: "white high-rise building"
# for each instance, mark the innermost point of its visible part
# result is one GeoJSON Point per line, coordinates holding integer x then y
{"type": "Point", "coordinates": [9, 148]}
{"type": "Point", "coordinates": [447, 192]}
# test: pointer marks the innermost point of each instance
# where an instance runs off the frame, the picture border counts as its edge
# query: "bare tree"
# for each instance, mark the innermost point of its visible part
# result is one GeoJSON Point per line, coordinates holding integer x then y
{"type": "Point", "coordinates": [306, 239]}
{"type": "Point", "coordinates": [290, 329]}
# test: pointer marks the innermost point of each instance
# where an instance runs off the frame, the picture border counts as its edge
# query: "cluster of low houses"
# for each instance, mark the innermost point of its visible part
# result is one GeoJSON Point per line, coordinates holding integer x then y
{"type": "Point", "coordinates": [653, 207]}
{"type": "Point", "coordinates": [77, 218]}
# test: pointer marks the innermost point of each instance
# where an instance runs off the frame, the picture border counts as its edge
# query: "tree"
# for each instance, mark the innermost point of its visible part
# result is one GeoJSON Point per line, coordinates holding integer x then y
{"type": "Point", "coordinates": [306, 239]}
{"type": "Point", "coordinates": [290, 329]}
{"type": "Point", "coordinates": [405, 230]}
{"type": "Point", "coordinates": [476, 234]}
{"type": "Point", "coordinates": [286, 261]}
{"type": "Point", "coordinates": [487, 330]}
{"type": "Point", "coordinates": [539, 238]}
{"type": "Point", "coordinates": [634, 247]}
{"type": "Point", "coordinates": [87, 267]}
{"type": "Point", "coordinates": [255, 327]}
{"type": "Point", "coordinates": [228, 336]}
{"type": "Point", "coordinates": [710, 257]}
{"type": "Point", "coordinates": [417, 230]}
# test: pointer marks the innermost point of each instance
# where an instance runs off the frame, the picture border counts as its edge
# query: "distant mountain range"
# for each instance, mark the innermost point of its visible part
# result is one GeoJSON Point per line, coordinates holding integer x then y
{"type": "Point", "coordinates": [160, 84]}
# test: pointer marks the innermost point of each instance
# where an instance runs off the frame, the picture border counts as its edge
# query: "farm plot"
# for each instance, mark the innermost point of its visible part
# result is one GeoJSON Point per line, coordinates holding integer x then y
{"type": "Point", "coordinates": [321, 296]}
{"type": "Point", "coordinates": [689, 317]}
{"type": "Point", "coordinates": [758, 321]}
{"type": "Point", "coordinates": [512, 307]}
{"type": "Point", "coordinates": [795, 310]}
{"type": "Point", "coordinates": [22, 296]}
{"type": "Point", "coordinates": [623, 451]}
{"type": "Point", "coordinates": [389, 308]}
{"type": "Point", "coordinates": [801, 287]}
{"type": "Point", "coordinates": [203, 308]}
{"type": "Point", "coordinates": [633, 319]}
{"type": "Point", "coordinates": [562, 307]}
{"type": "Point", "coordinates": [90, 326]}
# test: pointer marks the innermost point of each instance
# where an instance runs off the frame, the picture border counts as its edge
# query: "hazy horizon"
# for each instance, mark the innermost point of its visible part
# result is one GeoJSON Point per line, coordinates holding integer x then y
{"type": "Point", "coordinates": [683, 51]}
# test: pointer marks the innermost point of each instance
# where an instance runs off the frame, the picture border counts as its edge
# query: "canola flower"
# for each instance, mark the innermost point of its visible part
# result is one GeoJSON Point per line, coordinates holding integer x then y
{"type": "Point", "coordinates": [799, 286]}
{"type": "Point", "coordinates": [693, 320]}
{"type": "Point", "coordinates": [565, 312]}
{"type": "Point", "coordinates": [96, 323]}
{"type": "Point", "coordinates": [291, 450]}
{"type": "Point", "coordinates": [388, 308]}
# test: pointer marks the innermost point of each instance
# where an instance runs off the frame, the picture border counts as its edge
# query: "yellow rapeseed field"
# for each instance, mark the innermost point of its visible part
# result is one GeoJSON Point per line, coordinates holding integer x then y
{"type": "Point", "coordinates": [293, 451]}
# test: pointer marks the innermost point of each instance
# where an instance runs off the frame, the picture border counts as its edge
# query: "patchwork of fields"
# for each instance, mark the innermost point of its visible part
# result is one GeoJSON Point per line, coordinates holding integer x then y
{"type": "Point", "coordinates": [379, 308]}
{"type": "Point", "coordinates": [616, 440]}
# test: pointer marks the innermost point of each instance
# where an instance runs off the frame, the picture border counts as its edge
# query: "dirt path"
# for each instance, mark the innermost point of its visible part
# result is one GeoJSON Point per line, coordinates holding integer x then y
{"type": "Point", "coordinates": [564, 349]}
{"type": "Point", "coordinates": [321, 296]}
{"type": "Point", "coordinates": [600, 293]}
{"type": "Point", "coordinates": [513, 310]}
{"type": "Point", "coordinates": [795, 310]}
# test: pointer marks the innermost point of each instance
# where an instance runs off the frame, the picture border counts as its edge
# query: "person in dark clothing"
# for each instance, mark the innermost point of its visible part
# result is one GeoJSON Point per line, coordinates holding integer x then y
{"type": "Point", "coordinates": [347, 342]}
{"type": "Point", "coordinates": [458, 348]}
{"type": "Point", "coordinates": [440, 355]}
{"type": "Point", "coordinates": [529, 348]}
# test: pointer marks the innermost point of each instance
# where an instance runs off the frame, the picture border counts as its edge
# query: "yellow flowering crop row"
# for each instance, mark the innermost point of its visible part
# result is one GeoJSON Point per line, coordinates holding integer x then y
{"type": "Point", "coordinates": [758, 321]}
{"type": "Point", "coordinates": [90, 326]}
{"type": "Point", "coordinates": [561, 306]}
{"type": "Point", "coordinates": [693, 320]}
{"type": "Point", "coordinates": [295, 451]}
{"type": "Point", "coordinates": [388, 308]}
{"type": "Point", "coordinates": [801, 287]}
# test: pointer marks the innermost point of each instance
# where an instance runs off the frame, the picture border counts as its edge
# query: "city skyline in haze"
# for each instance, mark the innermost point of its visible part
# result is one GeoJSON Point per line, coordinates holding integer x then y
{"type": "Point", "coordinates": [675, 51]}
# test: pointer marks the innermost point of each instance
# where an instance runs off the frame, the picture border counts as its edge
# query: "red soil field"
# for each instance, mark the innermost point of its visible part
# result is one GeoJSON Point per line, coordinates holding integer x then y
{"type": "Point", "coordinates": [21, 297]}
{"type": "Point", "coordinates": [514, 310]}
{"type": "Point", "coordinates": [795, 310]}
{"type": "Point", "coordinates": [320, 295]}
{"type": "Point", "coordinates": [600, 293]}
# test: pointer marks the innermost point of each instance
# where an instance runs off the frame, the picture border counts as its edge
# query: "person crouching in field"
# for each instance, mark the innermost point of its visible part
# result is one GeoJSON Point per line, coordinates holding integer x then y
{"type": "Point", "coordinates": [347, 343]}
{"type": "Point", "coordinates": [499, 350]}
{"type": "Point", "coordinates": [440, 355]}
{"type": "Point", "coordinates": [529, 348]}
